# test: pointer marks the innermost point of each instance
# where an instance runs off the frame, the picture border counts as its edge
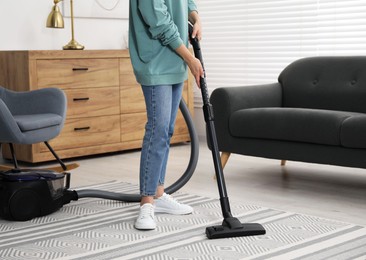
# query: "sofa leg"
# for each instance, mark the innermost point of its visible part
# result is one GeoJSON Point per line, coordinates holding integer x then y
{"type": "Point", "coordinates": [283, 162]}
{"type": "Point", "coordinates": [224, 158]}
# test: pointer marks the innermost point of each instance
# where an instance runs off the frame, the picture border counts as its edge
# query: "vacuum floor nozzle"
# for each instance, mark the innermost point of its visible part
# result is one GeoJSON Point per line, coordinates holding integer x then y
{"type": "Point", "coordinates": [238, 230]}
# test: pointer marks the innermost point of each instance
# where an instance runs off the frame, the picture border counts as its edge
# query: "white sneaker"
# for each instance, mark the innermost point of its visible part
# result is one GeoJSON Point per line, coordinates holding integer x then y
{"type": "Point", "coordinates": [145, 220]}
{"type": "Point", "coordinates": [167, 204]}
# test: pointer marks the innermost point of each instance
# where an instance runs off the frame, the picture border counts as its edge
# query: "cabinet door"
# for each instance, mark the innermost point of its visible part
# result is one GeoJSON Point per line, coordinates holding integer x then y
{"type": "Point", "coordinates": [133, 126]}
{"type": "Point", "coordinates": [132, 99]}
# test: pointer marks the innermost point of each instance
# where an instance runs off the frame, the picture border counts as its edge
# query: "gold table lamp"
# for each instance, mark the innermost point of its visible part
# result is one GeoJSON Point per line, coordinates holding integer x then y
{"type": "Point", "coordinates": [55, 20]}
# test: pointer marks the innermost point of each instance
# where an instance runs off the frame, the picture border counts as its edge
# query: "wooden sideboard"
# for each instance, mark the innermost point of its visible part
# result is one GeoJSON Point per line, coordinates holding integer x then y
{"type": "Point", "coordinates": [106, 109]}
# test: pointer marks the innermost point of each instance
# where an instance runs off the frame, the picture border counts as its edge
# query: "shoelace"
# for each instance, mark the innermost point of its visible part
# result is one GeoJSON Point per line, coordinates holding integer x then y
{"type": "Point", "coordinates": [147, 212]}
{"type": "Point", "coordinates": [170, 199]}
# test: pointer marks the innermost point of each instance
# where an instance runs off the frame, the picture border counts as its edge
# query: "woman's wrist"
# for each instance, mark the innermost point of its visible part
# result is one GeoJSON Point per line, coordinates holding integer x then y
{"type": "Point", "coordinates": [194, 17]}
{"type": "Point", "coordinates": [186, 55]}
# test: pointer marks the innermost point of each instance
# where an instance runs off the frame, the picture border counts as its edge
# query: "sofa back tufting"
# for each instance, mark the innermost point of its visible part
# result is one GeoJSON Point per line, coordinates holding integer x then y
{"type": "Point", "coordinates": [335, 83]}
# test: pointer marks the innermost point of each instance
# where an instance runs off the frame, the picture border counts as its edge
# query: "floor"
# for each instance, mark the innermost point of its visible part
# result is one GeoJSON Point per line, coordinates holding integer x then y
{"type": "Point", "coordinates": [327, 191]}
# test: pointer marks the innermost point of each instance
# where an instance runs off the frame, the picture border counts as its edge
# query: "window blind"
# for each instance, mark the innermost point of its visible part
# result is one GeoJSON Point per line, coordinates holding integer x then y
{"type": "Point", "coordinates": [248, 42]}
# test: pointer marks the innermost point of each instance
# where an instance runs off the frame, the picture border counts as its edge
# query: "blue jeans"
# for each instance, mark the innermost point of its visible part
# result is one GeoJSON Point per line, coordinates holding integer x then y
{"type": "Point", "coordinates": [162, 103]}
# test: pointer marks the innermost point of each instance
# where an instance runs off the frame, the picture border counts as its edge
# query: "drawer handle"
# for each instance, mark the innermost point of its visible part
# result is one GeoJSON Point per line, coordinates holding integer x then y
{"type": "Point", "coordinates": [76, 69]}
{"type": "Point", "coordinates": [81, 99]}
{"type": "Point", "coordinates": [82, 128]}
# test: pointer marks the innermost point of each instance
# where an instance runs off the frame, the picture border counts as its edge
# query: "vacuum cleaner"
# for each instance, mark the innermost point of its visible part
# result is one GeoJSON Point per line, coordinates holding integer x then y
{"type": "Point", "coordinates": [231, 226]}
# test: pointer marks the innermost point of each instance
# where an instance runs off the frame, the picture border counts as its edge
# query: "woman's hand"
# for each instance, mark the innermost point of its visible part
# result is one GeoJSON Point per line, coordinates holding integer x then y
{"type": "Point", "coordinates": [197, 31]}
{"type": "Point", "coordinates": [196, 69]}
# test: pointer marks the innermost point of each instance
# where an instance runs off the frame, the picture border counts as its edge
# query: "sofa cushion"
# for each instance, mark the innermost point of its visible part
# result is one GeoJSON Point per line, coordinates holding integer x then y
{"type": "Point", "coordinates": [289, 124]}
{"type": "Point", "coordinates": [353, 132]}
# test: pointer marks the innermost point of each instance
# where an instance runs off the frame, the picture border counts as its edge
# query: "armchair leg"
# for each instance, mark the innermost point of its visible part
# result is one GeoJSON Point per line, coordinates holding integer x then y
{"type": "Point", "coordinates": [283, 162]}
{"type": "Point", "coordinates": [57, 169]}
{"type": "Point", "coordinates": [224, 158]}
{"type": "Point", "coordinates": [15, 161]}
{"type": "Point", "coordinates": [56, 156]}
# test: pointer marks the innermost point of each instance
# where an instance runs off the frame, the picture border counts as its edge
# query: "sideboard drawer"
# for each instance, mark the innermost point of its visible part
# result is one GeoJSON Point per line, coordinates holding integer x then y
{"type": "Point", "coordinates": [83, 132]}
{"type": "Point", "coordinates": [78, 73]}
{"type": "Point", "coordinates": [92, 102]}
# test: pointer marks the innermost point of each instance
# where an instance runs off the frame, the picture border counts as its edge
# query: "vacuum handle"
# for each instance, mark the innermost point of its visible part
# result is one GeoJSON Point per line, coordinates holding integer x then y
{"type": "Point", "coordinates": [198, 54]}
{"type": "Point", "coordinates": [196, 45]}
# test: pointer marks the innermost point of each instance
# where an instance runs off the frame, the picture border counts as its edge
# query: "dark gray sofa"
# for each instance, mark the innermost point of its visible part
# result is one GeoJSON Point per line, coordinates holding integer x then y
{"type": "Point", "coordinates": [315, 113]}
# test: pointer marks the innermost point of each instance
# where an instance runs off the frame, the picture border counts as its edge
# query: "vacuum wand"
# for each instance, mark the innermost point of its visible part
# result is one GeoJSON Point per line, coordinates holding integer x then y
{"type": "Point", "coordinates": [231, 226]}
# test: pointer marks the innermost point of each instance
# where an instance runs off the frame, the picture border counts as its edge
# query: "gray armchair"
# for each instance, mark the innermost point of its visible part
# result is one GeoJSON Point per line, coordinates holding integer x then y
{"type": "Point", "coordinates": [31, 117]}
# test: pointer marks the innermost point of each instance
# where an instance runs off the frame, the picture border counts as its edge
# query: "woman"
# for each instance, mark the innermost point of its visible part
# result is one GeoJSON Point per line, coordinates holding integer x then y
{"type": "Point", "coordinates": [158, 40]}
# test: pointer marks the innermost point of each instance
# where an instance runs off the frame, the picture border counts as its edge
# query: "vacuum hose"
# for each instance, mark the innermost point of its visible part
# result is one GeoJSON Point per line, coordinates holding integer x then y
{"type": "Point", "coordinates": [171, 189]}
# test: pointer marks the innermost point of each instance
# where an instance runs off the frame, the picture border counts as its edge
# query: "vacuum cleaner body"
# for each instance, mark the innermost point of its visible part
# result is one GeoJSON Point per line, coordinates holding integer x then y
{"type": "Point", "coordinates": [26, 194]}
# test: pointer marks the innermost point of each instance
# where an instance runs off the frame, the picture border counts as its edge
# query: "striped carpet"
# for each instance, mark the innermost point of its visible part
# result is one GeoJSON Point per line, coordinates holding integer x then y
{"type": "Point", "coordinates": [102, 229]}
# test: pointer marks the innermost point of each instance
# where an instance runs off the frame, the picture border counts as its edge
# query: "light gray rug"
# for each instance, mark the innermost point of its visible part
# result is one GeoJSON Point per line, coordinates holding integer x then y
{"type": "Point", "coordinates": [103, 229]}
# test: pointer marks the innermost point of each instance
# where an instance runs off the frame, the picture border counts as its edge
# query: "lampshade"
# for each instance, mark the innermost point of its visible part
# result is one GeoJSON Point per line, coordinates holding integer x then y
{"type": "Point", "coordinates": [55, 18]}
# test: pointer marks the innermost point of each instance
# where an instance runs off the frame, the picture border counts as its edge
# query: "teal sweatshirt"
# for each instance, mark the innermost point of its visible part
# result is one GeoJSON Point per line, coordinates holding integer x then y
{"type": "Point", "coordinates": [156, 29]}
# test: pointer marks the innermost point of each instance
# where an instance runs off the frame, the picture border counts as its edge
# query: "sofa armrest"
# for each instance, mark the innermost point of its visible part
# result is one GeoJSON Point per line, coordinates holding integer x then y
{"type": "Point", "coordinates": [235, 98]}
{"type": "Point", "coordinates": [225, 101]}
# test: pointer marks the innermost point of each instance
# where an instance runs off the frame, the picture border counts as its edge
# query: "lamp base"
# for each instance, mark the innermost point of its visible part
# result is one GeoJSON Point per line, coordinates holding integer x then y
{"type": "Point", "coordinates": [73, 45]}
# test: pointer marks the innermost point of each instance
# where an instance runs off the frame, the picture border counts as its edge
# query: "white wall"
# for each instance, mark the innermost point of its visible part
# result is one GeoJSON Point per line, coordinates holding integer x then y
{"type": "Point", "coordinates": [23, 27]}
